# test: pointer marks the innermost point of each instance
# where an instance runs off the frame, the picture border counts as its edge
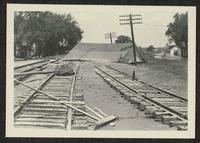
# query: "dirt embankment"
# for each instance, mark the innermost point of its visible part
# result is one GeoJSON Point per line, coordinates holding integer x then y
{"type": "Point", "coordinates": [96, 52]}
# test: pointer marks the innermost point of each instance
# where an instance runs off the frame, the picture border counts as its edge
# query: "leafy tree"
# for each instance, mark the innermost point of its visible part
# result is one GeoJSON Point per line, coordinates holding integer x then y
{"type": "Point", "coordinates": [51, 33]}
{"type": "Point", "coordinates": [123, 39]}
{"type": "Point", "coordinates": [150, 48]}
{"type": "Point", "coordinates": [178, 30]}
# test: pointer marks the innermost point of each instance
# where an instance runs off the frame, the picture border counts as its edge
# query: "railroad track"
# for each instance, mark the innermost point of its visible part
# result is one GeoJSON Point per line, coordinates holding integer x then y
{"type": "Point", "coordinates": [35, 109]}
{"type": "Point", "coordinates": [31, 66]}
{"type": "Point", "coordinates": [157, 103]}
{"type": "Point", "coordinates": [36, 66]}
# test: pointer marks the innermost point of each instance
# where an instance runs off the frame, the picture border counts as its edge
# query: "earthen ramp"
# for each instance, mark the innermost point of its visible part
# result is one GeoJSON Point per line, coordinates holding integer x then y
{"type": "Point", "coordinates": [102, 52]}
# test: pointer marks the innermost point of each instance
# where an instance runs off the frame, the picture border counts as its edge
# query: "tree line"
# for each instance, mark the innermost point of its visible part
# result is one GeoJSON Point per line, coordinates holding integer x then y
{"type": "Point", "coordinates": [177, 31]}
{"type": "Point", "coordinates": [50, 33]}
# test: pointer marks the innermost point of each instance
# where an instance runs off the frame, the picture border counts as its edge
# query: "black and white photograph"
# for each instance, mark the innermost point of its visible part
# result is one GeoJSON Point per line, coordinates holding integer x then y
{"type": "Point", "coordinates": [100, 71]}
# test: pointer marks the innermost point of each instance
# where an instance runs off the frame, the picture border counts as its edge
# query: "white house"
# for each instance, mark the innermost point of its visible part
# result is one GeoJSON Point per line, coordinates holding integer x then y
{"type": "Point", "coordinates": [172, 50]}
{"type": "Point", "coordinates": [175, 51]}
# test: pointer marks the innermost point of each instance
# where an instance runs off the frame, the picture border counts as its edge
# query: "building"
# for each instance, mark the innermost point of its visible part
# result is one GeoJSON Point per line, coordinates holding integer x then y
{"type": "Point", "coordinates": [172, 50]}
{"type": "Point", "coordinates": [175, 51]}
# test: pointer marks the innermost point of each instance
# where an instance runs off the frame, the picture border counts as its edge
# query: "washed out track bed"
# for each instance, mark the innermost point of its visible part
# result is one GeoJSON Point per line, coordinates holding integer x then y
{"type": "Point", "coordinates": [35, 109]}
{"type": "Point", "coordinates": [158, 104]}
{"type": "Point", "coordinates": [32, 67]}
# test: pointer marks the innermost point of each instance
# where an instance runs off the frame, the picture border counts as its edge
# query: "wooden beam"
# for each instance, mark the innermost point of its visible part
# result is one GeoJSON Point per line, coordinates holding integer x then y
{"type": "Point", "coordinates": [35, 72]}
{"type": "Point", "coordinates": [54, 98]}
{"type": "Point", "coordinates": [105, 121]}
{"type": "Point", "coordinates": [101, 117]}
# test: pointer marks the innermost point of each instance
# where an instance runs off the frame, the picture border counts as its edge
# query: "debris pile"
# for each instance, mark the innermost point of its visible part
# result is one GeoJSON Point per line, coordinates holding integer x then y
{"type": "Point", "coordinates": [65, 69]}
{"type": "Point", "coordinates": [103, 52]}
{"type": "Point", "coordinates": [51, 67]}
{"type": "Point", "coordinates": [62, 69]}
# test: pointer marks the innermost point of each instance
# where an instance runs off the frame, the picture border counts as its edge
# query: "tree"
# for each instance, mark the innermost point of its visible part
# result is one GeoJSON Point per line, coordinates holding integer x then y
{"type": "Point", "coordinates": [178, 30]}
{"type": "Point", "coordinates": [150, 48]}
{"type": "Point", "coordinates": [123, 39]}
{"type": "Point", "coordinates": [46, 30]}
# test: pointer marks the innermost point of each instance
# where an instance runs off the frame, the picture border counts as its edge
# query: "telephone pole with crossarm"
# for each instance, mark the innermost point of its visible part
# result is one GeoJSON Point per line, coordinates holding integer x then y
{"type": "Point", "coordinates": [110, 36]}
{"type": "Point", "coordinates": [130, 20]}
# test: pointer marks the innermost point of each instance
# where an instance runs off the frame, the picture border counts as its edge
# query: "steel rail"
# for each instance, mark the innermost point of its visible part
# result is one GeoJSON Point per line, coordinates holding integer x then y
{"type": "Point", "coordinates": [151, 100]}
{"type": "Point", "coordinates": [56, 99]}
{"type": "Point", "coordinates": [30, 64]}
{"type": "Point", "coordinates": [117, 80]}
{"type": "Point", "coordinates": [25, 102]}
{"type": "Point", "coordinates": [33, 67]}
{"type": "Point", "coordinates": [69, 115]}
{"type": "Point", "coordinates": [36, 66]}
{"type": "Point", "coordinates": [24, 74]}
{"type": "Point", "coordinates": [157, 106]}
{"type": "Point", "coordinates": [150, 85]}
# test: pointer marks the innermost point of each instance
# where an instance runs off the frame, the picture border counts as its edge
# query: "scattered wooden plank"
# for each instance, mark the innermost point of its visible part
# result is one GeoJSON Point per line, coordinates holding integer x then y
{"type": "Point", "coordinates": [104, 121]}
{"type": "Point", "coordinates": [28, 98]}
{"type": "Point", "coordinates": [97, 114]}
{"type": "Point", "coordinates": [100, 111]}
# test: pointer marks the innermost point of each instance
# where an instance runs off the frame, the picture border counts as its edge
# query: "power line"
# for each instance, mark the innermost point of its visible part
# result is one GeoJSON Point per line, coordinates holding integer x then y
{"type": "Point", "coordinates": [110, 36]}
{"type": "Point", "coordinates": [130, 20]}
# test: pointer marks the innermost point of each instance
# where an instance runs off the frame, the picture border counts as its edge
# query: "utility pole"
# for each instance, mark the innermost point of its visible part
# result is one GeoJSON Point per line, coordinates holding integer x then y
{"type": "Point", "coordinates": [132, 19]}
{"type": "Point", "coordinates": [110, 36]}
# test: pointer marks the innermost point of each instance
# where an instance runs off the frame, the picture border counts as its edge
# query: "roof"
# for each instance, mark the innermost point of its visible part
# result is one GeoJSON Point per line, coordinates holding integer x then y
{"type": "Point", "coordinates": [174, 46]}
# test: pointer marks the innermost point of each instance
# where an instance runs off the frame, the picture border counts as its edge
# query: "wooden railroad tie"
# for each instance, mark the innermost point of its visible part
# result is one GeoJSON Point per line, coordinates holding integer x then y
{"type": "Point", "coordinates": [157, 103]}
{"type": "Point", "coordinates": [100, 122]}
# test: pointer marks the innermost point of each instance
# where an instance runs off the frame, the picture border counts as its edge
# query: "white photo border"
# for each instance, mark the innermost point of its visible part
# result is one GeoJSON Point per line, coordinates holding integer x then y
{"type": "Point", "coordinates": [11, 131]}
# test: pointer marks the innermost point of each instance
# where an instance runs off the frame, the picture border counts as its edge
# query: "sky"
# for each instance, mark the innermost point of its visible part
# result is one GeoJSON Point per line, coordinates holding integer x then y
{"type": "Point", "coordinates": [96, 21]}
